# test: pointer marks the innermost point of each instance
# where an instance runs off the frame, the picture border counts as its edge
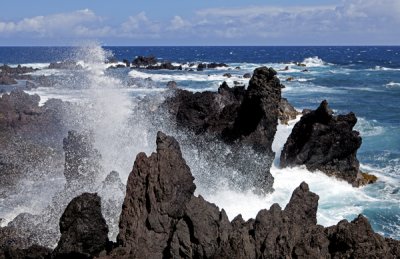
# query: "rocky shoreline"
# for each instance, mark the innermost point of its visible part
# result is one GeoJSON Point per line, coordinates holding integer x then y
{"type": "Point", "coordinates": [161, 217]}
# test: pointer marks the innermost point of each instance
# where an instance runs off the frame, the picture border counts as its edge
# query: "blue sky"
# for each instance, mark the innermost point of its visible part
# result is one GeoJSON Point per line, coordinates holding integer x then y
{"type": "Point", "coordinates": [200, 22]}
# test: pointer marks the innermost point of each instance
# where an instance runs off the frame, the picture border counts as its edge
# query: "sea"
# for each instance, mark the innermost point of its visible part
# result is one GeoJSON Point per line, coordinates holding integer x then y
{"type": "Point", "coordinates": [360, 79]}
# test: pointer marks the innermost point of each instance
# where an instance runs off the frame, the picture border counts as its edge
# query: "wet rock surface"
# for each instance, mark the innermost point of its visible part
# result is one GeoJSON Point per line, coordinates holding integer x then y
{"type": "Point", "coordinates": [161, 218]}
{"type": "Point", "coordinates": [239, 117]}
{"type": "Point", "coordinates": [83, 229]}
{"type": "Point", "coordinates": [325, 142]}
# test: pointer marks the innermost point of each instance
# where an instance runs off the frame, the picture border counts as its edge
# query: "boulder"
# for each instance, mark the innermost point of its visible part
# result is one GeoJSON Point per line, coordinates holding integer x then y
{"type": "Point", "coordinates": [322, 141]}
{"type": "Point", "coordinates": [126, 62]}
{"type": "Point", "coordinates": [247, 75]}
{"type": "Point", "coordinates": [83, 229]}
{"type": "Point", "coordinates": [142, 61]}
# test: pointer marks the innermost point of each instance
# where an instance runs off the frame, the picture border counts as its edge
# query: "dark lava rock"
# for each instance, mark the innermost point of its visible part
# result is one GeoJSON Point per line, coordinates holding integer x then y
{"type": "Point", "coordinates": [82, 160]}
{"type": "Point", "coordinates": [201, 67]}
{"type": "Point", "coordinates": [83, 229]}
{"type": "Point", "coordinates": [65, 65]}
{"type": "Point", "coordinates": [239, 117]}
{"type": "Point", "coordinates": [215, 65]}
{"type": "Point", "coordinates": [158, 189]}
{"type": "Point", "coordinates": [16, 70]}
{"type": "Point", "coordinates": [247, 75]}
{"type": "Point", "coordinates": [18, 108]}
{"type": "Point", "coordinates": [286, 111]}
{"type": "Point", "coordinates": [228, 75]}
{"type": "Point", "coordinates": [126, 62]}
{"type": "Point", "coordinates": [165, 65]}
{"type": "Point", "coordinates": [161, 218]}
{"type": "Point", "coordinates": [325, 142]}
{"type": "Point", "coordinates": [257, 116]}
{"type": "Point", "coordinates": [234, 114]}
{"type": "Point", "coordinates": [5, 79]}
{"type": "Point", "coordinates": [142, 61]}
{"type": "Point", "coordinates": [172, 85]}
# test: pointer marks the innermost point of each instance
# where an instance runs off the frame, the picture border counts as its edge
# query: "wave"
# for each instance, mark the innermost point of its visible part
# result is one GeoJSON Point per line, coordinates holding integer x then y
{"type": "Point", "coordinates": [338, 199]}
{"type": "Point", "coordinates": [189, 76]}
{"type": "Point", "coordinates": [314, 62]}
{"type": "Point", "coordinates": [380, 68]}
{"type": "Point", "coordinates": [368, 128]}
{"type": "Point", "coordinates": [392, 85]}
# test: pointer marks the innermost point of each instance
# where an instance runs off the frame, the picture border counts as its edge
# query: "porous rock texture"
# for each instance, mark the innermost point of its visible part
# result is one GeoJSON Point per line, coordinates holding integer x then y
{"type": "Point", "coordinates": [325, 142]}
{"type": "Point", "coordinates": [239, 117]}
{"type": "Point", "coordinates": [161, 218]}
{"type": "Point", "coordinates": [83, 229]}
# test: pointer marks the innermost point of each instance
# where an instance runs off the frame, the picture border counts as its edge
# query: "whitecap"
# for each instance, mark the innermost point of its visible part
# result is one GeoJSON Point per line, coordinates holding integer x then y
{"type": "Point", "coordinates": [392, 85]}
{"type": "Point", "coordinates": [368, 128]}
{"type": "Point", "coordinates": [314, 62]}
{"type": "Point", "coordinates": [380, 68]}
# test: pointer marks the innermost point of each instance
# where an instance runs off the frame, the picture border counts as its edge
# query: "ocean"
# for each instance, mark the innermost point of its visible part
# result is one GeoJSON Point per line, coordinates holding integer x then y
{"type": "Point", "coordinates": [364, 80]}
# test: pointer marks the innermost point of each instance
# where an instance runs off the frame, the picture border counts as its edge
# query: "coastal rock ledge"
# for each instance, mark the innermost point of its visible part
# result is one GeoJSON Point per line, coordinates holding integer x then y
{"type": "Point", "coordinates": [322, 141]}
{"type": "Point", "coordinates": [161, 218]}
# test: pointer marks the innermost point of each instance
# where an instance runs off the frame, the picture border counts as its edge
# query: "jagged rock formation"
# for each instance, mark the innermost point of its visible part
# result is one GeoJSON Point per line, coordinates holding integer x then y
{"type": "Point", "coordinates": [286, 111]}
{"type": "Point", "coordinates": [239, 117]}
{"type": "Point", "coordinates": [30, 136]}
{"type": "Point", "coordinates": [142, 61]}
{"type": "Point", "coordinates": [82, 160]}
{"type": "Point", "coordinates": [83, 229]}
{"type": "Point", "coordinates": [325, 142]}
{"type": "Point", "coordinates": [235, 114]}
{"type": "Point", "coordinates": [257, 116]}
{"type": "Point", "coordinates": [161, 218]}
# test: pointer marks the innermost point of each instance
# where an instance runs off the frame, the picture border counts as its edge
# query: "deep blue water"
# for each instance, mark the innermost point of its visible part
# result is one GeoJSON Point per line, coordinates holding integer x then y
{"type": "Point", "coordinates": [357, 57]}
{"type": "Point", "coordinates": [365, 80]}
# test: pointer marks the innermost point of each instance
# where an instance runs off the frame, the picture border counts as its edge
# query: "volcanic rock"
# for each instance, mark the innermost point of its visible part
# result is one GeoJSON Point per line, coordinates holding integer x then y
{"type": "Point", "coordinates": [65, 65]}
{"type": "Point", "coordinates": [126, 62]}
{"type": "Point", "coordinates": [161, 218]}
{"type": "Point", "coordinates": [286, 111]}
{"type": "Point", "coordinates": [325, 142]}
{"type": "Point", "coordinates": [165, 65]}
{"type": "Point", "coordinates": [257, 116]}
{"type": "Point", "coordinates": [81, 158]}
{"type": "Point", "coordinates": [247, 75]}
{"type": "Point", "coordinates": [142, 61]}
{"type": "Point", "coordinates": [16, 70]}
{"type": "Point", "coordinates": [5, 79]}
{"type": "Point", "coordinates": [83, 229]}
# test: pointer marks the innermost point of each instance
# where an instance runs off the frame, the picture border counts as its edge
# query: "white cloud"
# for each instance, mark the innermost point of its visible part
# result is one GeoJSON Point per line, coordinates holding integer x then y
{"type": "Point", "coordinates": [178, 23]}
{"type": "Point", "coordinates": [139, 26]}
{"type": "Point", "coordinates": [351, 21]}
{"type": "Point", "coordinates": [56, 24]}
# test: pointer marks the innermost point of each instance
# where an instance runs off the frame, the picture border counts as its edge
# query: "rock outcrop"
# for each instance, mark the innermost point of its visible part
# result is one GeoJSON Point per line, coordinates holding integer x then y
{"type": "Point", "coordinates": [161, 218]}
{"type": "Point", "coordinates": [286, 111]}
{"type": "Point", "coordinates": [82, 160]}
{"type": "Point", "coordinates": [142, 61]}
{"type": "Point", "coordinates": [83, 229]}
{"type": "Point", "coordinates": [257, 116]}
{"type": "Point", "coordinates": [234, 114]}
{"type": "Point", "coordinates": [242, 118]}
{"type": "Point", "coordinates": [322, 141]}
